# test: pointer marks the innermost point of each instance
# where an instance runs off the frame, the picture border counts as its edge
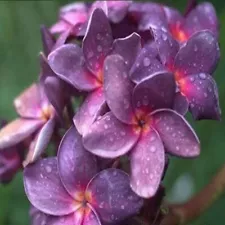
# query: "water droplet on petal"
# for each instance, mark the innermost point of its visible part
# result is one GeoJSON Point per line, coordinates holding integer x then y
{"type": "Point", "coordinates": [146, 62]}
{"type": "Point", "coordinates": [99, 48]}
{"type": "Point", "coordinates": [48, 169]}
{"type": "Point", "coordinates": [202, 76]}
{"type": "Point", "coordinates": [164, 37]}
{"type": "Point", "coordinates": [195, 48]}
{"type": "Point", "coordinates": [153, 149]}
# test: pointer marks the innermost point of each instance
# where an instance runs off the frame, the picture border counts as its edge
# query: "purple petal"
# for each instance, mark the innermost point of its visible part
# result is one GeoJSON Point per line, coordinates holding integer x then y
{"type": "Point", "coordinates": [41, 142]}
{"type": "Point", "coordinates": [180, 104]}
{"type": "Point", "coordinates": [76, 165]}
{"type": "Point", "coordinates": [201, 53]}
{"type": "Point", "coordinates": [178, 137]}
{"type": "Point", "coordinates": [147, 164]}
{"type": "Point", "coordinates": [118, 88]}
{"type": "Point", "coordinates": [112, 196]}
{"type": "Point", "coordinates": [117, 10]}
{"type": "Point", "coordinates": [146, 63]}
{"type": "Point", "coordinates": [109, 138]}
{"type": "Point", "coordinates": [97, 42]}
{"type": "Point", "coordinates": [89, 111]}
{"type": "Point", "coordinates": [45, 190]}
{"type": "Point", "coordinates": [90, 216]}
{"type": "Point", "coordinates": [48, 40]}
{"type": "Point", "coordinates": [202, 94]}
{"type": "Point", "coordinates": [37, 217]}
{"type": "Point", "coordinates": [167, 46]}
{"type": "Point", "coordinates": [67, 62]}
{"type": "Point", "coordinates": [203, 17]}
{"type": "Point", "coordinates": [61, 40]}
{"type": "Point", "coordinates": [17, 131]}
{"type": "Point", "coordinates": [128, 48]}
{"type": "Point", "coordinates": [153, 93]}
{"type": "Point", "coordinates": [28, 103]}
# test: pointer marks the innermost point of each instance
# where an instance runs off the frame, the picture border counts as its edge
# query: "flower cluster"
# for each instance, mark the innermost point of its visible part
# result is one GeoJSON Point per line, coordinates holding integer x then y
{"type": "Point", "coordinates": [139, 68]}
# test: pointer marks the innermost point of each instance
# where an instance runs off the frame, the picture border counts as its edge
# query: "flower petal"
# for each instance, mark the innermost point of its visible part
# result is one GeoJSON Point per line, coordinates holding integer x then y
{"type": "Point", "coordinates": [17, 131]}
{"type": "Point", "coordinates": [118, 88]}
{"type": "Point", "coordinates": [128, 48]}
{"type": "Point", "coordinates": [28, 103]}
{"type": "Point", "coordinates": [48, 40]}
{"type": "Point", "coordinates": [76, 165]}
{"type": "Point", "coordinates": [37, 217]}
{"type": "Point", "coordinates": [90, 216]}
{"type": "Point", "coordinates": [203, 17]}
{"type": "Point", "coordinates": [45, 190]}
{"type": "Point", "coordinates": [147, 164]}
{"type": "Point", "coordinates": [180, 104]}
{"type": "Point", "coordinates": [201, 53]}
{"type": "Point", "coordinates": [178, 137]}
{"type": "Point", "coordinates": [146, 63]}
{"type": "Point", "coordinates": [109, 138]}
{"type": "Point", "coordinates": [202, 94]}
{"type": "Point", "coordinates": [41, 142]}
{"type": "Point", "coordinates": [167, 46]}
{"type": "Point", "coordinates": [154, 92]}
{"type": "Point", "coordinates": [98, 41]}
{"type": "Point", "coordinates": [92, 107]}
{"type": "Point", "coordinates": [67, 62]}
{"type": "Point", "coordinates": [112, 197]}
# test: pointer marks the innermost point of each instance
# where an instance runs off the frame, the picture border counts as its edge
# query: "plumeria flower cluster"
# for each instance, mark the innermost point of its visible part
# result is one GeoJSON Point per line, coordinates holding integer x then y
{"type": "Point", "coordinates": [138, 68]}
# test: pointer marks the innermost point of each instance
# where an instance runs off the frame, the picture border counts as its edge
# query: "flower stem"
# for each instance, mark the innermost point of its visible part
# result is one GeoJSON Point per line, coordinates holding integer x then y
{"type": "Point", "coordinates": [183, 213]}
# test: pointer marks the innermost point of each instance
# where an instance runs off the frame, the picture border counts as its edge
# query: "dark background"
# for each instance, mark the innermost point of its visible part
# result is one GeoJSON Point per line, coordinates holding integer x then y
{"type": "Point", "coordinates": [20, 44]}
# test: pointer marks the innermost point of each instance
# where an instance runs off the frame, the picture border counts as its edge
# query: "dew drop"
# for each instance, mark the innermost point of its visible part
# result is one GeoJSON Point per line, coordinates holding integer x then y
{"type": "Point", "coordinates": [195, 48]}
{"type": "Point", "coordinates": [152, 149]}
{"type": "Point", "coordinates": [146, 62]}
{"type": "Point", "coordinates": [98, 36]}
{"type": "Point", "coordinates": [202, 76]}
{"type": "Point", "coordinates": [164, 37]}
{"type": "Point", "coordinates": [99, 48]}
{"type": "Point", "coordinates": [48, 169]}
{"type": "Point", "coordinates": [122, 207]}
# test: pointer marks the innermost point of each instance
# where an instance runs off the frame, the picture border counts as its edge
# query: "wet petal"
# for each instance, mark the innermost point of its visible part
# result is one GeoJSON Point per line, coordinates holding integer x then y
{"type": "Point", "coordinates": [202, 94]}
{"type": "Point", "coordinates": [17, 131]}
{"type": "Point", "coordinates": [118, 88]}
{"type": "Point", "coordinates": [146, 63]}
{"type": "Point", "coordinates": [89, 111]}
{"type": "Point", "coordinates": [67, 62]}
{"type": "Point", "coordinates": [203, 17]}
{"type": "Point", "coordinates": [201, 53]}
{"type": "Point", "coordinates": [109, 138]}
{"type": "Point", "coordinates": [41, 142]}
{"type": "Point", "coordinates": [177, 135]}
{"type": "Point", "coordinates": [48, 40]}
{"type": "Point", "coordinates": [167, 46]}
{"type": "Point", "coordinates": [180, 104]}
{"type": "Point", "coordinates": [147, 164]}
{"type": "Point", "coordinates": [28, 103]}
{"type": "Point", "coordinates": [90, 216]}
{"type": "Point", "coordinates": [128, 48]}
{"type": "Point", "coordinates": [76, 165]}
{"type": "Point", "coordinates": [45, 190]}
{"type": "Point", "coordinates": [153, 93]}
{"type": "Point", "coordinates": [98, 41]}
{"type": "Point", "coordinates": [112, 196]}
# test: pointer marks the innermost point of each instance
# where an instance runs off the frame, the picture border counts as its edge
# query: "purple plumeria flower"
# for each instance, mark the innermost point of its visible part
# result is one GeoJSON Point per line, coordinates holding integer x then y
{"type": "Point", "coordinates": [36, 116]}
{"type": "Point", "coordinates": [37, 217]}
{"type": "Point", "coordinates": [74, 17]}
{"type": "Point", "coordinates": [83, 68]}
{"type": "Point", "coordinates": [201, 17]}
{"type": "Point", "coordinates": [192, 65]}
{"type": "Point", "coordinates": [141, 123]}
{"type": "Point", "coordinates": [72, 190]}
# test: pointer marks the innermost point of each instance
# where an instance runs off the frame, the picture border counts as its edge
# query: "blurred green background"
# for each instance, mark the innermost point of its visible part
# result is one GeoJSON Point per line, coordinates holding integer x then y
{"type": "Point", "coordinates": [20, 44]}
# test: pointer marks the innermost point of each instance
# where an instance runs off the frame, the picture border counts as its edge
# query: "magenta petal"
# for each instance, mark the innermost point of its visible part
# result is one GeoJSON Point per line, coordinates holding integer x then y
{"type": "Point", "coordinates": [201, 53]}
{"type": "Point", "coordinates": [28, 103]}
{"type": "Point", "coordinates": [167, 46]}
{"type": "Point", "coordinates": [48, 40]}
{"type": "Point", "coordinates": [17, 131]}
{"type": "Point", "coordinates": [89, 111]}
{"type": "Point", "coordinates": [41, 142]}
{"type": "Point", "coordinates": [155, 92]}
{"type": "Point", "coordinates": [177, 135]}
{"type": "Point", "coordinates": [112, 196]}
{"type": "Point", "coordinates": [180, 104]}
{"type": "Point", "coordinates": [203, 17]}
{"type": "Point", "coordinates": [45, 190]}
{"type": "Point", "coordinates": [76, 165]}
{"type": "Point", "coordinates": [67, 62]}
{"type": "Point", "coordinates": [202, 94]}
{"type": "Point", "coordinates": [147, 164]}
{"type": "Point", "coordinates": [146, 63]}
{"type": "Point", "coordinates": [118, 88]}
{"type": "Point", "coordinates": [109, 138]}
{"type": "Point", "coordinates": [128, 48]}
{"type": "Point", "coordinates": [98, 41]}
